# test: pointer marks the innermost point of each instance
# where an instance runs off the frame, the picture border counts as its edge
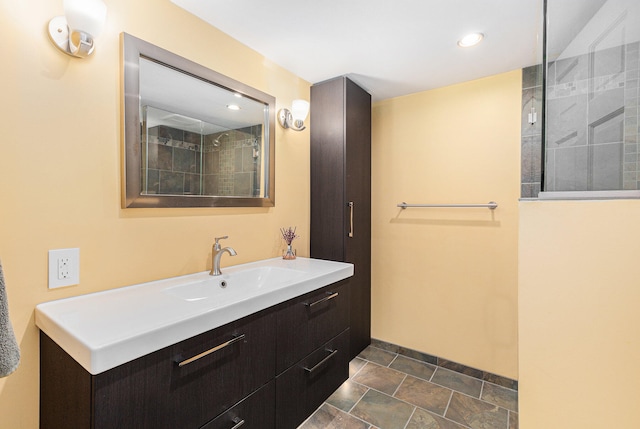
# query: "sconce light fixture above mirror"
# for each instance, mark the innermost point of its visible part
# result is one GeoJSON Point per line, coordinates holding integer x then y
{"type": "Point", "coordinates": [75, 32]}
{"type": "Point", "coordinates": [295, 117]}
{"type": "Point", "coordinates": [193, 137]}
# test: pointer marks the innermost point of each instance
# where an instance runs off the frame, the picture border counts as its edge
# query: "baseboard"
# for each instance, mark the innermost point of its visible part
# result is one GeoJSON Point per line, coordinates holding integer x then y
{"type": "Point", "coordinates": [447, 364]}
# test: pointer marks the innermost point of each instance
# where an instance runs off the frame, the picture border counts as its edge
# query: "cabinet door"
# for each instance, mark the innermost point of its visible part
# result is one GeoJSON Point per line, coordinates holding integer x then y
{"type": "Point", "coordinates": [358, 219]}
{"type": "Point", "coordinates": [65, 389]}
{"type": "Point", "coordinates": [328, 201]}
{"type": "Point", "coordinates": [156, 392]}
{"type": "Point", "coordinates": [306, 323]}
{"type": "Point", "coordinates": [257, 411]}
{"type": "Point", "coordinates": [303, 387]}
{"type": "Point", "coordinates": [341, 190]}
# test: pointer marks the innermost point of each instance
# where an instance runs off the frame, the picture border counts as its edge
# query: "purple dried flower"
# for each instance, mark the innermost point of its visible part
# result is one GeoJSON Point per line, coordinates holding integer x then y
{"type": "Point", "coordinates": [288, 234]}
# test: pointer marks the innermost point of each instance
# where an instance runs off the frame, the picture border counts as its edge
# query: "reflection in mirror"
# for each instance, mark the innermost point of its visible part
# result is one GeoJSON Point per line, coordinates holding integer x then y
{"type": "Point", "coordinates": [193, 137]}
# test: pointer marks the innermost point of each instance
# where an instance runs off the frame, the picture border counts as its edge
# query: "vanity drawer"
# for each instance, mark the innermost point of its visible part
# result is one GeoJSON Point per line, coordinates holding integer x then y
{"type": "Point", "coordinates": [190, 383]}
{"type": "Point", "coordinates": [307, 322]}
{"type": "Point", "coordinates": [256, 411]}
{"type": "Point", "coordinates": [303, 387]}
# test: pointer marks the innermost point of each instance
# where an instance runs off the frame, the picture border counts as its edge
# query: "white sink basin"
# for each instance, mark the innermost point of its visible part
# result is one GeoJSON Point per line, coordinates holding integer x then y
{"type": "Point", "coordinates": [256, 280]}
{"type": "Point", "coordinates": [106, 329]}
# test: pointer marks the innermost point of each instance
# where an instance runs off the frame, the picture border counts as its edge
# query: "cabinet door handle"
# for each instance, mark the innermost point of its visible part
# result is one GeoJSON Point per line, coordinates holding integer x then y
{"type": "Point", "coordinates": [319, 364]}
{"type": "Point", "coordinates": [351, 219]}
{"type": "Point", "coordinates": [212, 350]}
{"type": "Point", "coordinates": [238, 422]}
{"type": "Point", "coordinates": [330, 295]}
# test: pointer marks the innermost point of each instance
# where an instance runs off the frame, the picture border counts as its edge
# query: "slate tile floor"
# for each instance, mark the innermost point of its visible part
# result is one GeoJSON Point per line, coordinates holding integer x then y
{"type": "Point", "coordinates": [386, 390]}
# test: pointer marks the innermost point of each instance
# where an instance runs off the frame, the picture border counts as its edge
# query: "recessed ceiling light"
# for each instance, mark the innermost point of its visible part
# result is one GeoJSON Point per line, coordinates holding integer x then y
{"type": "Point", "coordinates": [470, 40]}
{"type": "Point", "coordinates": [233, 107]}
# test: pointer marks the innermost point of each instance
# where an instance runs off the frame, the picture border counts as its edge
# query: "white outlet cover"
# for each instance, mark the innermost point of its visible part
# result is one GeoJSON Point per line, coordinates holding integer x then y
{"type": "Point", "coordinates": [73, 277]}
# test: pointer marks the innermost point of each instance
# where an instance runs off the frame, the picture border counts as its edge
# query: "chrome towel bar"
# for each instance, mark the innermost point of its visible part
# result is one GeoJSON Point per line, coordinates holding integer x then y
{"type": "Point", "coordinates": [491, 205]}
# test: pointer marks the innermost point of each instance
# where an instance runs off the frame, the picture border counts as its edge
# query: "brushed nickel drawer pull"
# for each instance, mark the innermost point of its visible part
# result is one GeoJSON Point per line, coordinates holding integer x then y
{"type": "Point", "coordinates": [213, 350]}
{"type": "Point", "coordinates": [238, 423]}
{"type": "Point", "coordinates": [319, 364]}
{"type": "Point", "coordinates": [330, 295]}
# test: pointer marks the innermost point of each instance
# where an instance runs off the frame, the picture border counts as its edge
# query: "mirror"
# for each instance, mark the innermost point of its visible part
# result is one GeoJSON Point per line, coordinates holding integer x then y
{"type": "Point", "coordinates": [193, 137]}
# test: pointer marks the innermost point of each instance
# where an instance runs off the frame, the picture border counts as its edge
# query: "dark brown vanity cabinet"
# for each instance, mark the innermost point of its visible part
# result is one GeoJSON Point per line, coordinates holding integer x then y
{"type": "Point", "coordinates": [313, 352]}
{"type": "Point", "coordinates": [306, 323]}
{"type": "Point", "coordinates": [273, 366]}
{"type": "Point", "coordinates": [154, 391]}
{"type": "Point", "coordinates": [303, 387]}
{"type": "Point", "coordinates": [341, 191]}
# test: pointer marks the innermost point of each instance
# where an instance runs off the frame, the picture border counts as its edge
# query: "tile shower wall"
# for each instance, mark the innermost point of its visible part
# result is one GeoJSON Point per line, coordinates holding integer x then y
{"type": "Point", "coordinates": [232, 166]}
{"type": "Point", "coordinates": [531, 142]}
{"type": "Point", "coordinates": [592, 121]}
{"type": "Point", "coordinates": [186, 163]}
{"type": "Point", "coordinates": [173, 162]}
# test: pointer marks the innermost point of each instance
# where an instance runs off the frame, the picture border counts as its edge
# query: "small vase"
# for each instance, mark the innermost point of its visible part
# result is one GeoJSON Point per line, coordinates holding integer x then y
{"type": "Point", "coordinates": [289, 253]}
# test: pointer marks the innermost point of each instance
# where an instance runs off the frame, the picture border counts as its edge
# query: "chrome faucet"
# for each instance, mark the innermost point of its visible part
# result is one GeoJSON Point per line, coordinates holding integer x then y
{"type": "Point", "coordinates": [217, 252]}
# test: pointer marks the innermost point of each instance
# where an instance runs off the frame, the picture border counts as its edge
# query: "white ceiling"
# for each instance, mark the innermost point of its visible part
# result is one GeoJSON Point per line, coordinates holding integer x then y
{"type": "Point", "coordinates": [389, 47]}
{"type": "Point", "coordinates": [180, 100]}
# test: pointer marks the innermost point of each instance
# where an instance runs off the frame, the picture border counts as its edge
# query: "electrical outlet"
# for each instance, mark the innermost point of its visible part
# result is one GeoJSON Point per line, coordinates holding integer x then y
{"type": "Point", "coordinates": [64, 267]}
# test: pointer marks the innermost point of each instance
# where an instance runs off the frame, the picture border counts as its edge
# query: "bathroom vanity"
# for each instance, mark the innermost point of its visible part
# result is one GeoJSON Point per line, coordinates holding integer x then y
{"type": "Point", "coordinates": [261, 346]}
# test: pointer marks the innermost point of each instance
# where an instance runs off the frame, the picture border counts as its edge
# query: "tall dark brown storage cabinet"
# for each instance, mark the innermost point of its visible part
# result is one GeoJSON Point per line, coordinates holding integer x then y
{"type": "Point", "coordinates": [341, 191]}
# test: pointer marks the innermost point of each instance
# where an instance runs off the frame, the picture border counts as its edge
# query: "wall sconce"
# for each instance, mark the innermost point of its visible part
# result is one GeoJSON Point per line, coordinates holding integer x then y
{"type": "Point", "coordinates": [295, 117]}
{"type": "Point", "coordinates": [74, 33]}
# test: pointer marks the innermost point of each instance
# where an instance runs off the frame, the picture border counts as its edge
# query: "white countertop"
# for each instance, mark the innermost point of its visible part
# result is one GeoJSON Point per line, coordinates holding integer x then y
{"type": "Point", "coordinates": [105, 329]}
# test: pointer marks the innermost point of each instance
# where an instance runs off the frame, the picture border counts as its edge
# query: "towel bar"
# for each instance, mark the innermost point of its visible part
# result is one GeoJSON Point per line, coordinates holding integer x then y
{"type": "Point", "coordinates": [491, 205]}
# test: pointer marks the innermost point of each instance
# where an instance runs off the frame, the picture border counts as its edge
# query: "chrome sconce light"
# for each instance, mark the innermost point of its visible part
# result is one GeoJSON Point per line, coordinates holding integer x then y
{"type": "Point", "coordinates": [295, 117]}
{"type": "Point", "coordinates": [74, 33]}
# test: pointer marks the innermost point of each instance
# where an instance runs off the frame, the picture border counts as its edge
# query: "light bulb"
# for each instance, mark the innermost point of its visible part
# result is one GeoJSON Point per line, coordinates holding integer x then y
{"type": "Point", "coordinates": [299, 110]}
{"type": "Point", "coordinates": [86, 16]}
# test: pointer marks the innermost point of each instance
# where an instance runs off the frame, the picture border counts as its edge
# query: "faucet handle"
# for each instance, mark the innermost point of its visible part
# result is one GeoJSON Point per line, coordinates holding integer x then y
{"type": "Point", "coordinates": [217, 245]}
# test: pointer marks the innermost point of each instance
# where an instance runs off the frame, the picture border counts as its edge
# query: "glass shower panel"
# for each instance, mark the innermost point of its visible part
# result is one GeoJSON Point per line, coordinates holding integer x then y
{"type": "Point", "coordinates": [592, 77]}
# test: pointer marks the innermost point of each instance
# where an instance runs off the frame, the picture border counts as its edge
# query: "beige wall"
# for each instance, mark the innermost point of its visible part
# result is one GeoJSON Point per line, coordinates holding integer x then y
{"type": "Point", "coordinates": [579, 323]}
{"type": "Point", "coordinates": [60, 170]}
{"type": "Point", "coordinates": [445, 280]}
